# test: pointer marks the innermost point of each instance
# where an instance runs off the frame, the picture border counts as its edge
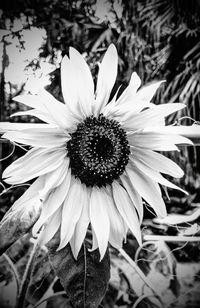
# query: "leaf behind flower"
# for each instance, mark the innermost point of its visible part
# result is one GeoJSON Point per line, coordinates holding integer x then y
{"type": "Point", "coordinates": [17, 222]}
{"type": "Point", "coordinates": [85, 279]}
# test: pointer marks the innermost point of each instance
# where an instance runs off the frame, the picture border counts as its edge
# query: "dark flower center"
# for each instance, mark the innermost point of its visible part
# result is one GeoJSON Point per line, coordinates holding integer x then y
{"type": "Point", "coordinates": [98, 151]}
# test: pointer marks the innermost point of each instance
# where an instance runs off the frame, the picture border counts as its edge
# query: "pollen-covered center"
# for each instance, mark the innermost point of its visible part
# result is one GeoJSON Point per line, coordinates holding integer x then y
{"type": "Point", "coordinates": [98, 151]}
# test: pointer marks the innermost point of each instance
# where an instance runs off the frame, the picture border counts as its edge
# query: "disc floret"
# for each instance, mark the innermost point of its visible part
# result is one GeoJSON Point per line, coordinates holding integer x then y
{"type": "Point", "coordinates": [98, 151]}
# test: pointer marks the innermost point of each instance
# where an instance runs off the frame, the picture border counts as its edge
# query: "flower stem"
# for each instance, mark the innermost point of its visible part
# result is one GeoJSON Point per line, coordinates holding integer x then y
{"type": "Point", "coordinates": [27, 276]}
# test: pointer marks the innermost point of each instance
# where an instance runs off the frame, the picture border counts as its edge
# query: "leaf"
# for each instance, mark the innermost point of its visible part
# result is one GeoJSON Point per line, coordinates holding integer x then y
{"type": "Point", "coordinates": [17, 222]}
{"type": "Point", "coordinates": [174, 219]}
{"type": "Point", "coordinates": [85, 280]}
{"type": "Point", "coordinates": [190, 231]}
{"type": "Point", "coordinates": [40, 279]}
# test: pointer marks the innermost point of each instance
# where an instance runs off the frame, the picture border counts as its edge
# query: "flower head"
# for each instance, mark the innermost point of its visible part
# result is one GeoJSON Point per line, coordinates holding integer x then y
{"type": "Point", "coordinates": [94, 160]}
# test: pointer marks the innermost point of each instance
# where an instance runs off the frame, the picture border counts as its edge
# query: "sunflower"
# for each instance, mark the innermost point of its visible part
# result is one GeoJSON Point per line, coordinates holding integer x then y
{"type": "Point", "coordinates": [94, 160]}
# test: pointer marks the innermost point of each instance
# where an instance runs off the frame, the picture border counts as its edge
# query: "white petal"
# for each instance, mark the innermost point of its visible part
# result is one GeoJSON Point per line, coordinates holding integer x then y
{"type": "Point", "coordinates": [99, 218]}
{"type": "Point", "coordinates": [156, 141]}
{"type": "Point", "coordinates": [33, 101]}
{"type": "Point", "coordinates": [58, 111]}
{"type": "Point", "coordinates": [30, 193]}
{"type": "Point", "coordinates": [117, 224]}
{"type": "Point", "coordinates": [84, 81]}
{"type": "Point", "coordinates": [106, 78]}
{"type": "Point", "coordinates": [154, 175]}
{"type": "Point", "coordinates": [158, 162]}
{"type": "Point", "coordinates": [128, 110]}
{"type": "Point", "coordinates": [53, 202]}
{"type": "Point", "coordinates": [54, 178]}
{"type": "Point", "coordinates": [152, 117]}
{"type": "Point", "coordinates": [94, 241]}
{"type": "Point", "coordinates": [147, 92]}
{"type": "Point", "coordinates": [69, 87]}
{"type": "Point", "coordinates": [35, 113]}
{"type": "Point", "coordinates": [134, 196]}
{"type": "Point", "coordinates": [148, 190]}
{"type": "Point", "coordinates": [73, 79]}
{"type": "Point", "coordinates": [45, 128]}
{"type": "Point", "coordinates": [128, 104]}
{"type": "Point", "coordinates": [111, 109]}
{"type": "Point", "coordinates": [82, 224]}
{"type": "Point", "coordinates": [8, 127]}
{"type": "Point", "coordinates": [30, 199]}
{"type": "Point", "coordinates": [51, 228]}
{"type": "Point", "coordinates": [130, 92]}
{"type": "Point", "coordinates": [126, 209]}
{"type": "Point", "coordinates": [38, 139]}
{"type": "Point", "coordinates": [33, 164]}
{"type": "Point", "coordinates": [71, 212]}
{"type": "Point", "coordinates": [192, 131]}
{"type": "Point", "coordinates": [177, 131]}
{"type": "Point", "coordinates": [46, 103]}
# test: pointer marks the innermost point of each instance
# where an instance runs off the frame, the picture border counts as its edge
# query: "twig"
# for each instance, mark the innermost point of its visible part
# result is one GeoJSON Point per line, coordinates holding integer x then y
{"type": "Point", "coordinates": [174, 238]}
{"type": "Point", "coordinates": [141, 299]}
{"type": "Point", "coordinates": [49, 298]}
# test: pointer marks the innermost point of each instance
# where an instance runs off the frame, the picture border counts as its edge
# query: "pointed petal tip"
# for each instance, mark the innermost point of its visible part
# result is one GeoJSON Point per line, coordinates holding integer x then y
{"type": "Point", "coordinates": [72, 51]}
{"type": "Point", "coordinates": [139, 240]}
{"type": "Point", "coordinates": [75, 256]}
{"type": "Point", "coordinates": [135, 81]}
{"type": "Point", "coordinates": [179, 175]}
{"type": "Point", "coordinates": [180, 104]}
{"type": "Point", "coordinates": [34, 232]}
{"type": "Point", "coordinates": [159, 82]}
{"type": "Point", "coordinates": [162, 215]}
{"type": "Point", "coordinates": [102, 255]}
{"type": "Point", "coordinates": [74, 251]}
{"type": "Point", "coordinates": [112, 45]}
{"type": "Point", "coordinates": [71, 48]}
{"type": "Point", "coordinates": [138, 235]}
{"type": "Point", "coordinates": [64, 60]}
{"type": "Point", "coordinates": [190, 141]}
{"type": "Point", "coordinates": [4, 135]}
{"type": "Point", "coordinates": [37, 227]}
{"type": "Point", "coordinates": [18, 98]}
{"type": "Point", "coordinates": [65, 57]}
{"type": "Point", "coordinates": [59, 247]}
{"type": "Point", "coordinates": [135, 75]}
{"type": "Point", "coordinates": [5, 173]}
{"type": "Point", "coordinates": [112, 48]}
{"type": "Point", "coordinates": [14, 114]}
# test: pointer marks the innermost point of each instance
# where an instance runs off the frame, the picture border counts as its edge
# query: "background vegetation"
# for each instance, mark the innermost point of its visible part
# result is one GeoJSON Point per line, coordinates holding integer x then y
{"type": "Point", "coordinates": [159, 40]}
